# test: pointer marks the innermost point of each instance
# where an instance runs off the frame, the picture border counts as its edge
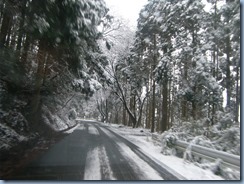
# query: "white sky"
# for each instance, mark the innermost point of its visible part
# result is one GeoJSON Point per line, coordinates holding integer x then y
{"type": "Point", "coordinates": [127, 9]}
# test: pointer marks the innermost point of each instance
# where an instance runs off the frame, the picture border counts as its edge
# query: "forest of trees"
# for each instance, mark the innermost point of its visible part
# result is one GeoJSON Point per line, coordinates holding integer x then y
{"type": "Point", "coordinates": [49, 58]}
{"type": "Point", "coordinates": [181, 65]}
{"type": "Point", "coordinates": [178, 74]}
{"type": "Point", "coordinates": [184, 66]}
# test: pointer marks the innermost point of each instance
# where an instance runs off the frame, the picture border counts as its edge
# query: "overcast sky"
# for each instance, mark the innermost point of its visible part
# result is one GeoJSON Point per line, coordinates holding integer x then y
{"type": "Point", "coordinates": [127, 9]}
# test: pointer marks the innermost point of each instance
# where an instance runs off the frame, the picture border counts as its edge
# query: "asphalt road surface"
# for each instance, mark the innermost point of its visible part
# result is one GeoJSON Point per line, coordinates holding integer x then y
{"type": "Point", "coordinates": [94, 152]}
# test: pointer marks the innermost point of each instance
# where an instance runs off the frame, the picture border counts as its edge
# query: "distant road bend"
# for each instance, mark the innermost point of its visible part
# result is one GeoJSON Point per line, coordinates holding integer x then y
{"type": "Point", "coordinates": [94, 152]}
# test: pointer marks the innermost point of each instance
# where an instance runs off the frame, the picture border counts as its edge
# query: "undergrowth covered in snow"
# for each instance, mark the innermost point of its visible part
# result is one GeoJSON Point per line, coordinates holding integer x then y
{"type": "Point", "coordinates": [222, 136]}
{"type": "Point", "coordinates": [57, 114]}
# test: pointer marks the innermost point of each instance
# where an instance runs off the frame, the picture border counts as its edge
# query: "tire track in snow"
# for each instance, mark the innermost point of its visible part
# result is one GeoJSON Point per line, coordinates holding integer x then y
{"type": "Point", "coordinates": [142, 168]}
{"type": "Point", "coordinates": [164, 173]}
{"type": "Point", "coordinates": [81, 127]}
{"type": "Point", "coordinates": [106, 171]}
{"type": "Point", "coordinates": [119, 165]}
{"type": "Point", "coordinates": [92, 166]}
{"type": "Point", "coordinates": [92, 130]}
{"type": "Point", "coordinates": [97, 164]}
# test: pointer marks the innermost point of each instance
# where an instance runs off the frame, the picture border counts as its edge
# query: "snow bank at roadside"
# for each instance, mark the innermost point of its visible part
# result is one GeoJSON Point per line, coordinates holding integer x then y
{"type": "Point", "coordinates": [142, 138]}
{"type": "Point", "coordinates": [13, 130]}
{"type": "Point", "coordinates": [9, 137]}
{"type": "Point", "coordinates": [59, 121]}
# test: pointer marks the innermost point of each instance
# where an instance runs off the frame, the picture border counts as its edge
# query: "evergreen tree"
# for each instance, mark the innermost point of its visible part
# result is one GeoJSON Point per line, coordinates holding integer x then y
{"type": "Point", "coordinates": [53, 46]}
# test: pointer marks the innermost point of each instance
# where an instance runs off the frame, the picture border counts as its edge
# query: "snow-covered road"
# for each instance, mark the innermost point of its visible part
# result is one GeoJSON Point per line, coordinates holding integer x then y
{"type": "Point", "coordinates": [94, 152]}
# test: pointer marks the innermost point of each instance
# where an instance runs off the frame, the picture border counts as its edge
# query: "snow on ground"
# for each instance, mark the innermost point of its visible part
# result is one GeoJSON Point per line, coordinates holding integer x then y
{"type": "Point", "coordinates": [92, 169]}
{"type": "Point", "coordinates": [142, 168]}
{"type": "Point", "coordinates": [105, 164]}
{"type": "Point", "coordinates": [142, 138]}
{"type": "Point", "coordinates": [96, 162]}
{"type": "Point", "coordinates": [92, 130]}
{"type": "Point", "coordinates": [77, 127]}
{"type": "Point", "coordinates": [9, 137]}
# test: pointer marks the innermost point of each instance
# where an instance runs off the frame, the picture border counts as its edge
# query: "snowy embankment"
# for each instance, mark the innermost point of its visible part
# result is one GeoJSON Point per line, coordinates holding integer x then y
{"type": "Point", "coordinates": [143, 139]}
{"type": "Point", "coordinates": [14, 133]}
{"type": "Point", "coordinates": [59, 121]}
{"type": "Point", "coordinates": [9, 137]}
{"type": "Point", "coordinates": [15, 129]}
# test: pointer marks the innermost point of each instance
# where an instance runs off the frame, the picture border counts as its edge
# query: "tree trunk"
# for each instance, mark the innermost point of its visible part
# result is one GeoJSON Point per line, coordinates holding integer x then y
{"type": "Point", "coordinates": [215, 62]}
{"type": "Point", "coordinates": [140, 113]}
{"type": "Point", "coordinates": [6, 24]}
{"type": "Point", "coordinates": [154, 83]}
{"type": "Point", "coordinates": [228, 76]}
{"type": "Point", "coordinates": [159, 117]}
{"type": "Point", "coordinates": [36, 100]}
{"type": "Point", "coordinates": [184, 109]}
{"type": "Point", "coordinates": [170, 107]}
{"type": "Point", "coordinates": [25, 52]}
{"type": "Point", "coordinates": [172, 114]}
{"type": "Point", "coordinates": [13, 42]}
{"type": "Point", "coordinates": [165, 106]}
{"type": "Point", "coordinates": [100, 109]}
{"type": "Point", "coordinates": [194, 104]}
{"type": "Point", "coordinates": [194, 110]}
{"type": "Point", "coordinates": [184, 101]}
{"type": "Point", "coordinates": [131, 117]}
{"type": "Point", "coordinates": [21, 26]}
{"type": "Point", "coordinates": [1, 10]}
{"type": "Point", "coordinates": [7, 42]}
{"type": "Point", "coordinates": [106, 109]}
{"type": "Point", "coordinates": [123, 100]}
{"type": "Point", "coordinates": [124, 116]}
{"type": "Point", "coordinates": [237, 92]}
{"type": "Point", "coordinates": [148, 113]}
{"type": "Point", "coordinates": [153, 109]}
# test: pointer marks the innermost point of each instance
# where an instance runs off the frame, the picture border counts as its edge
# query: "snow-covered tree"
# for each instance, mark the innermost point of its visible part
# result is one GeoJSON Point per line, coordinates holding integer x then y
{"type": "Point", "coordinates": [182, 44]}
{"type": "Point", "coordinates": [49, 53]}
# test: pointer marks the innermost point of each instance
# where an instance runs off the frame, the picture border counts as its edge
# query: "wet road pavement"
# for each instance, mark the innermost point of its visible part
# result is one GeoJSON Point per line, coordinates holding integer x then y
{"type": "Point", "coordinates": [94, 152]}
